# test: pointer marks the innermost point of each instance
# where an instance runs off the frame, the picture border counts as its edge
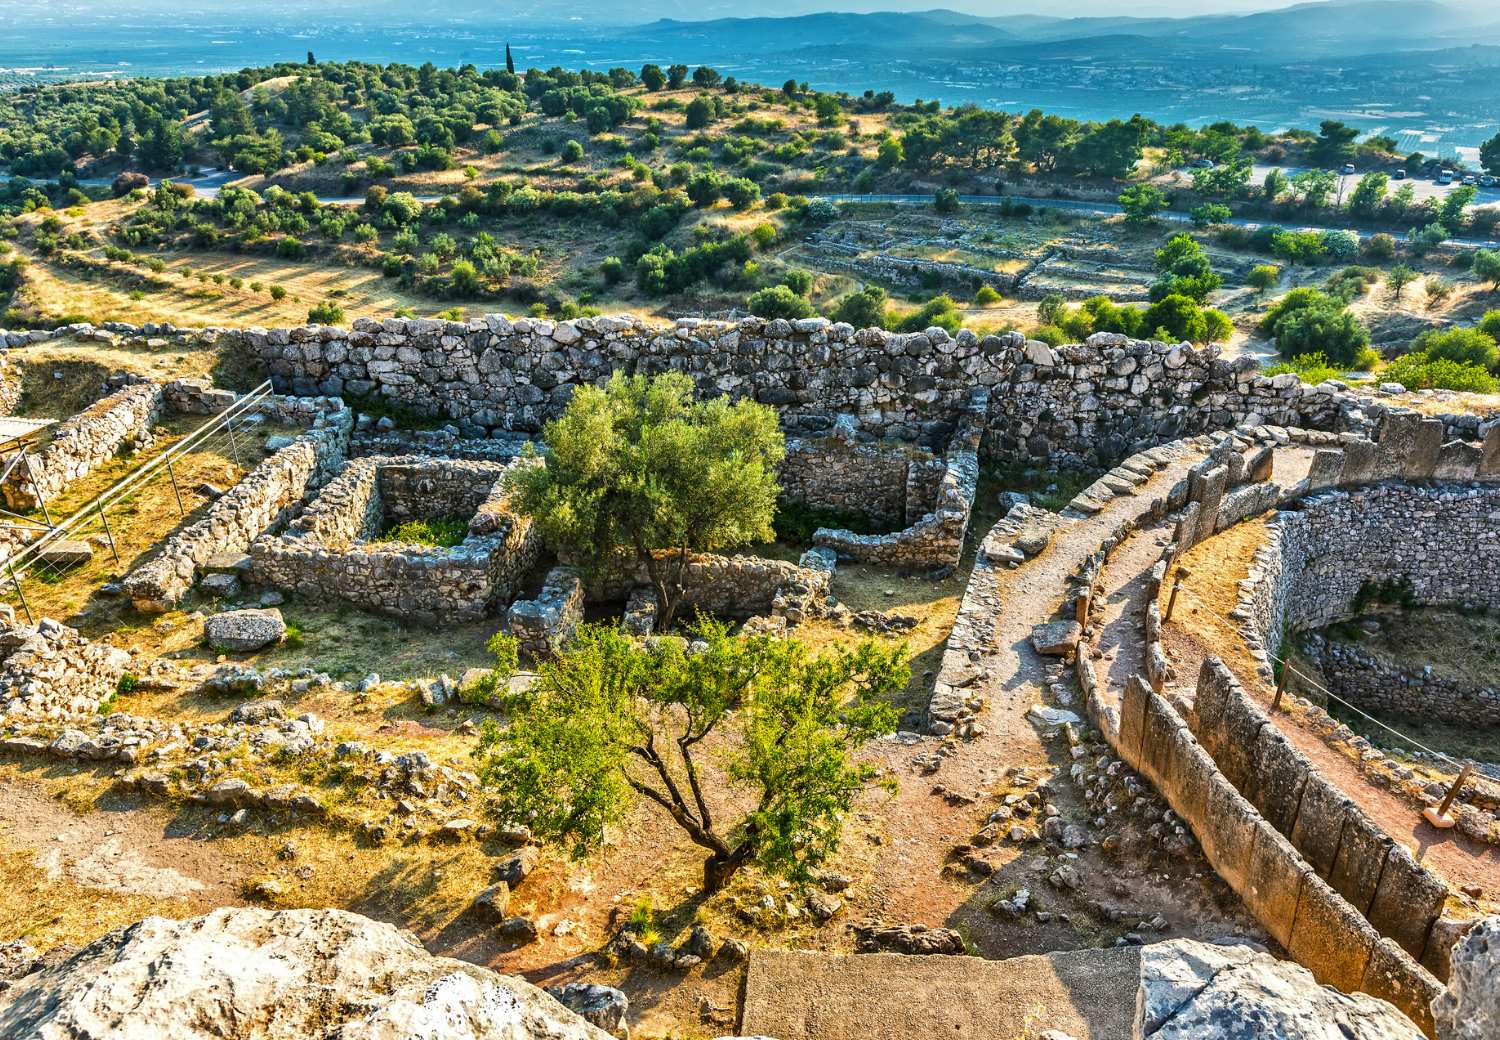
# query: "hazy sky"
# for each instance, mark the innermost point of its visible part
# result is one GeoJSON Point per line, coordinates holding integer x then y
{"type": "Point", "coordinates": [291, 12]}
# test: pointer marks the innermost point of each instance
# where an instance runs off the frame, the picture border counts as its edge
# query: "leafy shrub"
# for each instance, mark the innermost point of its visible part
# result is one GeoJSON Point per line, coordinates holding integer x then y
{"type": "Point", "coordinates": [1418, 371]}
{"type": "Point", "coordinates": [987, 295]}
{"type": "Point", "coordinates": [325, 313]}
{"type": "Point", "coordinates": [444, 532]}
{"type": "Point", "coordinates": [779, 301]}
{"type": "Point", "coordinates": [1467, 346]}
{"type": "Point", "coordinates": [1310, 368]}
{"type": "Point", "coordinates": [795, 523]}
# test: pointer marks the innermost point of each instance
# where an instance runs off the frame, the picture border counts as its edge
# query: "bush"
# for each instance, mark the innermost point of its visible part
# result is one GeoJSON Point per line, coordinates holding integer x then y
{"type": "Point", "coordinates": [866, 309]}
{"type": "Point", "coordinates": [946, 200]}
{"type": "Point", "coordinates": [1310, 368]}
{"type": "Point", "coordinates": [1469, 346]}
{"type": "Point", "coordinates": [798, 280]}
{"type": "Point", "coordinates": [612, 269]}
{"type": "Point", "coordinates": [1306, 321]}
{"type": "Point", "coordinates": [1418, 371]}
{"type": "Point", "coordinates": [779, 301]}
{"type": "Point", "coordinates": [444, 532]}
{"type": "Point", "coordinates": [1263, 277]}
{"type": "Point", "coordinates": [1050, 310]}
{"type": "Point", "coordinates": [326, 313]}
{"type": "Point", "coordinates": [1380, 247]}
{"type": "Point", "coordinates": [940, 312]}
{"type": "Point", "coordinates": [987, 295]}
{"type": "Point", "coordinates": [1209, 213]}
{"type": "Point", "coordinates": [572, 152]}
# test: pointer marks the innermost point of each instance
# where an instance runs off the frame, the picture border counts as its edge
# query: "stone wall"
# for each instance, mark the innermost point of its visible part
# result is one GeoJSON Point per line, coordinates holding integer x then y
{"type": "Point", "coordinates": [333, 551]}
{"type": "Point", "coordinates": [1439, 539]}
{"type": "Point", "coordinates": [935, 541]}
{"type": "Point", "coordinates": [890, 484]}
{"type": "Point", "coordinates": [78, 446]}
{"type": "Point", "coordinates": [1071, 404]}
{"type": "Point", "coordinates": [266, 496]}
{"type": "Point", "coordinates": [51, 672]}
{"type": "Point", "coordinates": [543, 626]}
{"type": "Point", "coordinates": [1319, 928]}
{"type": "Point", "coordinates": [1378, 877]}
{"type": "Point", "coordinates": [10, 384]}
{"type": "Point", "coordinates": [1385, 688]}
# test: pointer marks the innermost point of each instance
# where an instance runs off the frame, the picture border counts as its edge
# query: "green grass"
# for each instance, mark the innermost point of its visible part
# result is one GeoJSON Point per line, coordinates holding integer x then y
{"type": "Point", "coordinates": [443, 532]}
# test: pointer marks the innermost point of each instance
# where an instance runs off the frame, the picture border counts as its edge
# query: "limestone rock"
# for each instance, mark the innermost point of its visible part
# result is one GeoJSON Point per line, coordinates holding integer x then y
{"type": "Point", "coordinates": [244, 630]}
{"type": "Point", "coordinates": [1056, 637]}
{"type": "Point", "coordinates": [277, 975]}
{"type": "Point", "coordinates": [604, 1006]}
{"type": "Point", "coordinates": [1470, 1008]}
{"type": "Point", "coordinates": [906, 938]}
{"type": "Point", "coordinates": [1195, 991]}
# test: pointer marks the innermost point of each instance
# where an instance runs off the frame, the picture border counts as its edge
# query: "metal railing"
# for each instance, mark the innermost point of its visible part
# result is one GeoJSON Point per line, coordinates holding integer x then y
{"type": "Point", "coordinates": [96, 508]}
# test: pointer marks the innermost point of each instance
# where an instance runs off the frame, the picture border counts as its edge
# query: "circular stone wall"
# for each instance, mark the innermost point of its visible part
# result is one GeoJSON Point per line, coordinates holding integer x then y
{"type": "Point", "coordinates": [1438, 544]}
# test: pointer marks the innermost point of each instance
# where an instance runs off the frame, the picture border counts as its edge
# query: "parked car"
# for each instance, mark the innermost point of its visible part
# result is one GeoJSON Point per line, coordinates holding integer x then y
{"type": "Point", "coordinates": [1445, 177]}
{"type": "Point", "coordinates": [1399, 175]}
{"type": "Point", "coordinates": [1348, 168]}
{"type": "Point", "coordinates": [1487, 181]}
{"type": "Point", "coordinates": [1201, 164]}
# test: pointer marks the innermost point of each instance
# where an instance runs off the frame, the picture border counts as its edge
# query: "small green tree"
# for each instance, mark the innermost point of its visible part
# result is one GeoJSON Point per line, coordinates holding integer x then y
{"type": "Point", "coordinates": [779, 301]}
{"type": "Point", "coordinates": [1141, 203]}
{"type": "Point", "coordinates": [1487, 267]}
{"type": "Point", "coordinates": [1437, 290]}
{"type": "Point", "coordinates": [612, 721]}
{"type": "Point", "coordinates": [1263, 277]}
{"type": "Point", "coordinates": [946, 200]}
{"type": "Point", "coordinates": [1051, 308]}
{"type": "Point", "coordinates": [638, 468]}
{"type": "Point", "coordinates": [865, 309]}
{"type": "Point", "coordinates": [325, 313]}
{"type": "Point", "coordinates": [1210, 213]}
{"type": "Point", "coordinates": [1398, 278]}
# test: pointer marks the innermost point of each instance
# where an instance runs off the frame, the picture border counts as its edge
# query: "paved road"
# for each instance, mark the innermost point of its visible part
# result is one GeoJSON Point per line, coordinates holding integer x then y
{"type": "Point", "coordinates": [1108, 209]}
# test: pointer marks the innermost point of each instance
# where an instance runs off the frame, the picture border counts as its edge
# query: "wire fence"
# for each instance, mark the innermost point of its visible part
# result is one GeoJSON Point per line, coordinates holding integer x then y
{"type": "Point", "coordinates": [109, 531]}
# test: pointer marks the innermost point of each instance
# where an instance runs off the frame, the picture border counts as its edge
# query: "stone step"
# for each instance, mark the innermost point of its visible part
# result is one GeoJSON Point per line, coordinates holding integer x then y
{"type": "Point", "coordinates": [804, 995]}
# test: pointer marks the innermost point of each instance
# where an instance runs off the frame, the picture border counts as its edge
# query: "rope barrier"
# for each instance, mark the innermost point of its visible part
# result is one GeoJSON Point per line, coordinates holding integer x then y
{"type": "Point", "coordinates": [1285, 663]}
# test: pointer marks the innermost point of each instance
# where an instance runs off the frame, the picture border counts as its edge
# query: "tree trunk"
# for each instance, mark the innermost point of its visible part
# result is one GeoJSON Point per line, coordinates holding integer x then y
{"type": "Point", "coordinates": [718, 870]}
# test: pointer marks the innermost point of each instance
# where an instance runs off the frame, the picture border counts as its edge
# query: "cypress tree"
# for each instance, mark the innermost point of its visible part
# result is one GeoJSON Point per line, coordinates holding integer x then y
{"type": "Point", "coordinates": [510, 64]}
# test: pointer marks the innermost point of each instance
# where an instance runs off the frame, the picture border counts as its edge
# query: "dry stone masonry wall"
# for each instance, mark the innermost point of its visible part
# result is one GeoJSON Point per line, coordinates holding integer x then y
{"type": "Point", "coordinates": [1070, 404]}
{"type": "Point", "coordinates": [333, 550]}
{"type": "Point", "coordinates": [80, 445]}
{"type": "Point", "coordinates": [267, 494]}
{"type": "Point", "coordinates": [10, 384]}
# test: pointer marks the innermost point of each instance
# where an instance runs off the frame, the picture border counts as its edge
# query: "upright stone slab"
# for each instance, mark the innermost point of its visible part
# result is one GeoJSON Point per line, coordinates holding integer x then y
{"type": "Point", "coordinates": [1363, 462]}
{"type": "Point", "coordinates": [1489, 464]}
{"type": "Point", "coordinates": [1458, 460]}
{"type": "Point", "coordinates": [1320, 823]}
{"type": "Point", "coordinates": [1361, 858]}
{"type": "Point", "coordinates": [1407, 900]}
{"type": "Point", "coordinates": [1327, 469]}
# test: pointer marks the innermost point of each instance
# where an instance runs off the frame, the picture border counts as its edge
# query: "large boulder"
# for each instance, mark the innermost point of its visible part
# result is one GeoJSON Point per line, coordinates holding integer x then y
{"type": "Point", "coordinates": [1196, 991]}
{"type": "Point", "coordinates": [1470, 1008]}
{"type": "Point", "coordinates": [238, 974]}
{"type": "Point", "coordinates": [244, 630]}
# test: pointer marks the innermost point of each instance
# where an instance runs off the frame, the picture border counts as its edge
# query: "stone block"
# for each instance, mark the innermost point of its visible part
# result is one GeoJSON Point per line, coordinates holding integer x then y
{"type": "Point", "coordinates": [1228, 831]}
{"type": "Point", "coordinates": [1209, 705]}
{"type": "Point", "coordinates": [1133, 719]}
{"type": "Point", "coordinates": [1157, 737]}
{"type": "Point", "coordinates": [1361, 857]}
{"type": "Point", "coordinates": [1393, 976]}
{"type": "Point", "coordinates": [1243, 720]}
{"type": "Point", "coordinates": [1407, 901]}
{"type": "Point", "coordinates": [1426, 446]}
{"type": "Point", "coordinates": [1273, 882]}
{"type": "Point", "coordinates": [1327, 469]}
{"type": "Point", "coordinates": [1320, 823]}
{"type": "Point", "coordinates": [1363, 462]}
{"type": "Point", "coordinates": [1458, 460]}
{"type": "Point", "coordinates": [1330, 938]}
{"type": "Point", "coordinates": [1489, 464]}
{"type": "Point", "coordinates": [1280, 774]}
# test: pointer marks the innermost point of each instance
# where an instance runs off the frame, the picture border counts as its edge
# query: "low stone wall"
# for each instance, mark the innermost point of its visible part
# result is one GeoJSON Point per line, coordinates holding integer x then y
{"type": "Point", "coordinates": [331, 551]}
{"type": "Point", "coordinates": [891, 484]}
{"type": "Point", "coordinates": [936, 539]}
{"type": "Point", "coordinates": [1385, 689]}
{"type": "Point", "coordinates": [10, 384]}
{"type": "Point", "coordinates": [1438, 540]}
{"type": "Point", "coordinates": [1319, 928]}
{"type": "Point", "coordinates": [263, 498]}
{"type": "Point", "coordinates": [543, 626]}
{"type": "Point", "coordinates": [81, 444]}
{"type": "Point", "coordinates": [51, 672]}
{"type": "Point", "coordinates": [1379, 878]}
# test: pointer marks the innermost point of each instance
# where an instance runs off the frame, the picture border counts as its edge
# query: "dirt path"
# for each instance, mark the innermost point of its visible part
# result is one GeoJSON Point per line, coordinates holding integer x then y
{"type": "Point", "coordinates": [923, 824]}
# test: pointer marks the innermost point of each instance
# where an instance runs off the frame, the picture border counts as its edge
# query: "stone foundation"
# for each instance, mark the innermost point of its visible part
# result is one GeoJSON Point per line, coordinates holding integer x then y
{"type": "Point", "coordinates": [266, 496]}
{"type": "Point", "coordinates": [81, 444]}
{"type": "Point", "coordinates": [333, 550]}
{"type": "Point", "coordinates": [51, 672]}
{"type": "Point", "coordinates": [1385, 689]}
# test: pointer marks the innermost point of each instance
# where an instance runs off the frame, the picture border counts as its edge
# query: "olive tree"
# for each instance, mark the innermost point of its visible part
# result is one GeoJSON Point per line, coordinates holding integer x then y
{"type": "Point", "coordinates": [638, 469]}
{"type": "Point", "coordinates": [612, 721]}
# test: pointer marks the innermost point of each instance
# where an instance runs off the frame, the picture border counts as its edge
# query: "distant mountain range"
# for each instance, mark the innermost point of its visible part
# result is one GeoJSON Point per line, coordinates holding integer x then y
{"type": "Point", "coordinates": [1304, 31]}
